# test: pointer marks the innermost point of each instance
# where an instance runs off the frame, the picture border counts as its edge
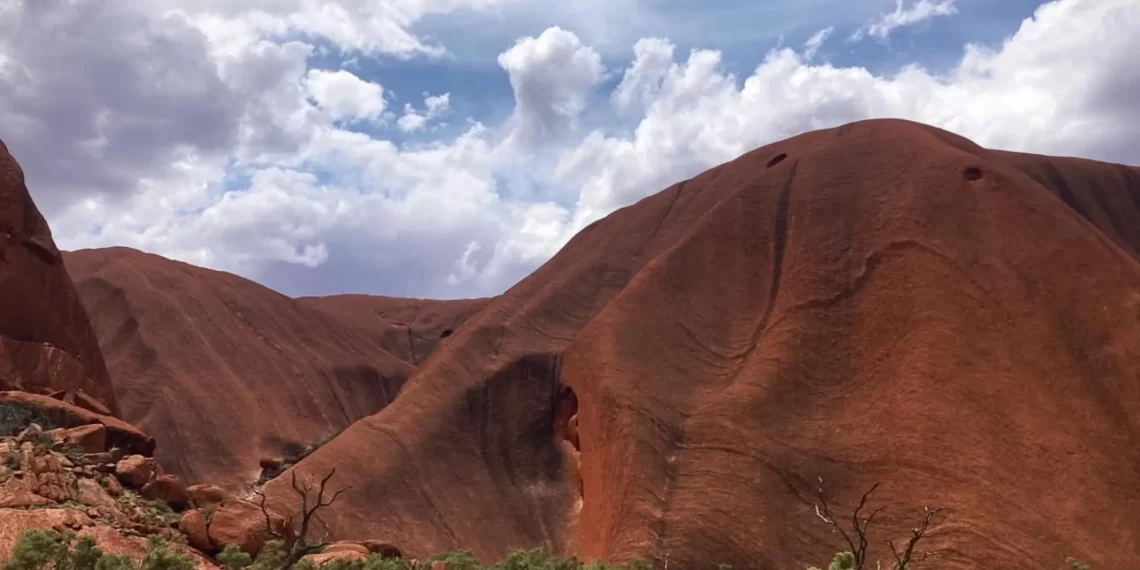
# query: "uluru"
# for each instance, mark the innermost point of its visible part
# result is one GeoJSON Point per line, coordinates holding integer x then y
{"type": "Point", "coordinates": [881, 302]}
{"type": "Point", "coordinates": [880, 305]}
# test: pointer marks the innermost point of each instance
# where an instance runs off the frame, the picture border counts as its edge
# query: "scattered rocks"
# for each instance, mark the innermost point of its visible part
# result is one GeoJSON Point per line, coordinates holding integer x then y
{"type": "Point", "coordinates": [112, 485]}
{"type": "Point", "coordinates": [119, 433]}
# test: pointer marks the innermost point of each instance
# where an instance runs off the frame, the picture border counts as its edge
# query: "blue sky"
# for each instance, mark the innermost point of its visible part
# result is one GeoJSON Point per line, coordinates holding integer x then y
{"type": "Point", "coordinates": [446, 148]}
{"type": "Point", "coordinates": [742, 30]}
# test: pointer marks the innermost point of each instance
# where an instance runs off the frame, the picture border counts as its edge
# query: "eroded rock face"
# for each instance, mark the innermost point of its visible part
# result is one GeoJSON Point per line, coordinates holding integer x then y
{"type": "Point", "coordinates": [46, 341]}
{"type": "Point", "coordinates": [290, 373]}
{"type": "Point", "coordinates": [880, 302]}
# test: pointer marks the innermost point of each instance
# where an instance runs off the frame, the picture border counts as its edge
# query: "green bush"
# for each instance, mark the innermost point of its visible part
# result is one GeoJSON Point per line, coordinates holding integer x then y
{"type": "Point", "coordinates": [40, 549]}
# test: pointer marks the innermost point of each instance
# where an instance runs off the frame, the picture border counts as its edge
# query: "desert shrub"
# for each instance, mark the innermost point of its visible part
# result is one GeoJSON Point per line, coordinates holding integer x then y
{"type": "Point", "coordinates": [233, 558]}
{"type": "Point", "coordinates": [1074, 564]}
{"type": "Point", "coordinates": [457, 560]}
{"type": "Point", "coordinates": [40, 549]}
{"type": "Point", "coordinates": [14, 418]}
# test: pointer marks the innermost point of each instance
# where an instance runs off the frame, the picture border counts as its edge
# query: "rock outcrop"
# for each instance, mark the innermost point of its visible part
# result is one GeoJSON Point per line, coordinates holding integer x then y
{"type": "Point", "coordinates": [879, 302]}
{"type": "Point", "coordinates": [57, 479]}
{"type": "Point", "coordinates": [223, 371]}
{"type": "Point", "coordinates": [46, 341]}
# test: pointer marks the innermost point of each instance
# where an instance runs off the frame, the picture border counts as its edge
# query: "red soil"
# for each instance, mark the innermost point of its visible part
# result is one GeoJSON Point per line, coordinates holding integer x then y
{"type": "Point", "coordinates": [879, 302]}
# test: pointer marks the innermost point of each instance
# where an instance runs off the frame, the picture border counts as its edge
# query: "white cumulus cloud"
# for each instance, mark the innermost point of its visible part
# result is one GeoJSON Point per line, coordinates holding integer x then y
{"type": "Point", "coordinates": [200, 130]}
{"type": "Point", "coordinates": [551, 76]}
{"type": "Point", "coordinates": [345, 96]}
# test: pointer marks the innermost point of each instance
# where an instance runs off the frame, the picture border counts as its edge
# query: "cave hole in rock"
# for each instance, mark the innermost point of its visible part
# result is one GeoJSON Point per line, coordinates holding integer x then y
{"type": "Point", "coordinates": [777, 159]}
{"type": "Point", "coordinates": [972, 173]}
{"type": "Point", "coordinates": [446, 333]}
{"type": "Point", "coordinates": [566, 416]}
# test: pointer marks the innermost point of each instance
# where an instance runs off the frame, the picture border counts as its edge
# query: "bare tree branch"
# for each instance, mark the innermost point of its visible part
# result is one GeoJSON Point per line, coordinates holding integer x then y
{"type": "Point", "coordinates": [860, 526]}
{"type": "Point", "coordinates": [301, 545]}
{"type": "Point", "coordinates": [903, 559]}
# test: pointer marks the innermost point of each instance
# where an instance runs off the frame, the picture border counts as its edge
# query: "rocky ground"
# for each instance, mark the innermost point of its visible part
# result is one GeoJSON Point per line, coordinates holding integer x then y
{"type": "Point", "coordinates": [83, 478]}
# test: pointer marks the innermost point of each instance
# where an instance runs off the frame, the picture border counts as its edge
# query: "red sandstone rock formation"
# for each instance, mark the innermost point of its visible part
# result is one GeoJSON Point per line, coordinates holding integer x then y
{"type": "Point", "coordinates": [222, 371]}
{"type": "Point", "coordinates": [879, 302]}
{"type": "Point", "coordinates": [407, 328]}
{"type": "Point", "coordinates": [46, 343]}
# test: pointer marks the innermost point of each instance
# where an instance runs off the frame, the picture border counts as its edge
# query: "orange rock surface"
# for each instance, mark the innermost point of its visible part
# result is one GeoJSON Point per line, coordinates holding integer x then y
{"type": "Point", "coordinates": [409, 329]}
{"type": "Point", "coordinates": [46, 342]}
{"type": "Point", "coordinates": [222, 371]}
{"type": "Point", "coordinates": [879, 302]}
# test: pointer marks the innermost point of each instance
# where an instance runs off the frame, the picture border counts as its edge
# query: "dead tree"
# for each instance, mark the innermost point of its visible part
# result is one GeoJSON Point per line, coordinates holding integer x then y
{"type": "Point", "coordinates": [301, 545]}
{"type": "Point", "coordinates": [857, 539]}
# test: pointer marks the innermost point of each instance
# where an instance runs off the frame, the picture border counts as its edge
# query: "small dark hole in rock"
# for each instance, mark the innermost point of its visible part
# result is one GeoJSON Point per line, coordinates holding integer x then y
{"type": "Point", "coordinates": [972, 173]}
{"type": "Point", "coordinates": [777, 159]}
{"type": "Point", "coordinates": [446, 333]}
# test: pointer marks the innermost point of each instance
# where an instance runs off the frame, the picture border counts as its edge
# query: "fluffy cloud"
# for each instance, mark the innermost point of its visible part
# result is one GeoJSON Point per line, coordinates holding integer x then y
{"type": "Point", "coordinates": [1064, 83]}
{"type": "Point", "coordinates": [434, 106]}
{"type": "Point", "coordinates": [345, 96]}
{"type": "Point", "coordinates": [922, 11]}
{"type": "Point", "coordinates": [257, 172]}
{"type": "Point", "coordinates": [113, 98]}
{"type": "Point", "coordinates": [551, 76]}
{"type": "Point", "coordinates": [362, 26]}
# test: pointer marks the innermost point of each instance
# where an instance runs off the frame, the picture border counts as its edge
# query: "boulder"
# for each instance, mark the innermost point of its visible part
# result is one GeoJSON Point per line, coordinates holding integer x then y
{"type": "Point", "coordinates": [112, 485]}
{"type": "Point", "coordinates": [202, 496]}
{"type": "Point", "coordinates": [196, 527]}
{"type": "Point", "coordinates": [347, 546]}
{"type": "Point", "coordinates": [383, 548]}
{"type": "Point", "coordinates": [91, 493]}
{"type": "Point", "coordinates": [233, 521]}
{"type": "Point", "coordinates": [327, 556]}
{"type": "Point", "coordinates": [168, 489]}
{"type": "Point", "coordinates": [90, 438]}
{"type": "Point", "coordinates": [135, 471]}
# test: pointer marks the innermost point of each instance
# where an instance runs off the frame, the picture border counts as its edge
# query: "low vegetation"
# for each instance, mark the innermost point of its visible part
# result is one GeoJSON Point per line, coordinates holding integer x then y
{"type": "Point", "coordinates": [51, 550]}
